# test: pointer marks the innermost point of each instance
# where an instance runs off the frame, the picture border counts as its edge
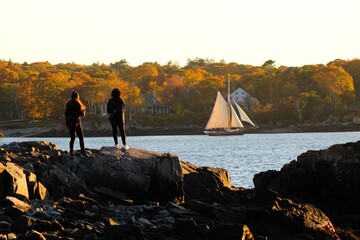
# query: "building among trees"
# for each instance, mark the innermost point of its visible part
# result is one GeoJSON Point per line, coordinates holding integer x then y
{"type": "Point", "coordinates": [152, 105]}
{"type": "Point", "coordinates": [241, 97]}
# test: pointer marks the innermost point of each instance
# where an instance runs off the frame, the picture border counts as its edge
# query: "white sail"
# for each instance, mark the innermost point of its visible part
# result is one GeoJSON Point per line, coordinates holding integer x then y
{"type": "Point", "coordinates": [235, 120]}
{"type": "Point", "coordinates": [243, 116]}
{"type": "Point", "coordinates": [219, 115]}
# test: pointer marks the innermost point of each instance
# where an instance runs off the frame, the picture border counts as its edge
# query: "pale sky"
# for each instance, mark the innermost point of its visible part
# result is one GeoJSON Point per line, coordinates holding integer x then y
{"type": "Point", "coordinates": [290, 32]}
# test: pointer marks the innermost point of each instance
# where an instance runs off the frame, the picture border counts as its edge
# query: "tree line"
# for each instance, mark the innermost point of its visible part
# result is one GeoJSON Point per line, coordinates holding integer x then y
{"type": "Point", "coordinates": [285, 95]}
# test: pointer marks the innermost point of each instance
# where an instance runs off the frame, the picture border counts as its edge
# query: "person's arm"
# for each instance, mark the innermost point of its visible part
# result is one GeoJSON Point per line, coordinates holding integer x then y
{"type": "Point", "coordinates": [67, 109]}
{"type": "Point", "coordinates": [110, 107]}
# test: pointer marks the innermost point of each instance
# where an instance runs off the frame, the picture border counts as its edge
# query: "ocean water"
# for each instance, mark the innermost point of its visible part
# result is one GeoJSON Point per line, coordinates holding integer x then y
{"type": "Point", "coordinates": [243, 156]}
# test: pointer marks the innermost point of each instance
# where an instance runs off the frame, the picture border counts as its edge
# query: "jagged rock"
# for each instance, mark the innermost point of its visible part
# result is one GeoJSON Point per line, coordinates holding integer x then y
{"type": "Point", "coordinates": [13, 180]}
{"type": "Point", "coordinates": [207, 183]}
{"type": "Point", "coordinates": [36, 189]}
{"type": "Point", "coordinates": [301, 218]}
{"type": "Point", "coordinates": [73, 197]}
{"type": "Point", "coordinates": [140, 173]}
{"type": "Point", "coordinates": [328, 179]}
{"type": "Point", "coordinates": [16, 202]}
{"type": "Point", "coordinates": [65, 181]}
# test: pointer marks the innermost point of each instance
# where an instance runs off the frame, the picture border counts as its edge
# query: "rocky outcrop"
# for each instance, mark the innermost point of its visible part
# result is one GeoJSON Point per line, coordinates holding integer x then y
{"type": "Point", "coordinates": [46, 193]}
{"type": "Point", "coordinates": [329, 179]}
{"type": "Point", "coordinates": [139, 173]}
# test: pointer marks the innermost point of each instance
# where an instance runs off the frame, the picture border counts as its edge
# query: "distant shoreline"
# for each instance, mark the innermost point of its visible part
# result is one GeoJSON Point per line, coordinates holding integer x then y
{"type": "Point", "coordinates": [50, 132]}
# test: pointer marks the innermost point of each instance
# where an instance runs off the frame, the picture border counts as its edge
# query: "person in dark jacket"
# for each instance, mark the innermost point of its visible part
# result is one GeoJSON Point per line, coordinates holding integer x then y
{"type": "Point", "coordinates": [75, 110]}
{"type": "Point", "coordinates": [116, 113]}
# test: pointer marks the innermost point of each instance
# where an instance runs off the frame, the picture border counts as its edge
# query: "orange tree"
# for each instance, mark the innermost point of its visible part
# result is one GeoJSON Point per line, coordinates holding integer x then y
{"type": "Point", "coordinates": [334, 82]}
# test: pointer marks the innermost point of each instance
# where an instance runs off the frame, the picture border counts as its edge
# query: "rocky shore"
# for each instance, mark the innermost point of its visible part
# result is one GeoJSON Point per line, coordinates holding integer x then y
{"type": "Point", "coordinates": [45, 193]}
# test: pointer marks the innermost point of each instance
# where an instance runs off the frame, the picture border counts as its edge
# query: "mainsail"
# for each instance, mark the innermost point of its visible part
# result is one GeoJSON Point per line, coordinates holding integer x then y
{"type": "Point", "coordinates": [219, 117]}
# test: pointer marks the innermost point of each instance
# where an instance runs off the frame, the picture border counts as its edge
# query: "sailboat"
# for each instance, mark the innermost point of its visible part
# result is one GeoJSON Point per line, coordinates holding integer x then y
{"type": "Point", "coordinates": [224, 120]}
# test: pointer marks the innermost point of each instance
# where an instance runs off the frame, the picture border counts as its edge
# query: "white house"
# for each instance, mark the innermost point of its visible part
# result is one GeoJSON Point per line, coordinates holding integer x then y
{"type": "Point", "coordinates": [241, 97]}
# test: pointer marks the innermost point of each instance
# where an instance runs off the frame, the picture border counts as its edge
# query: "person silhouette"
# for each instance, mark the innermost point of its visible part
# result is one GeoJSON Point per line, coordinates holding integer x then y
{"type": "Point", "coordinates": [75, 110]}
{"type": "Point", "coordinates": [116, 113]}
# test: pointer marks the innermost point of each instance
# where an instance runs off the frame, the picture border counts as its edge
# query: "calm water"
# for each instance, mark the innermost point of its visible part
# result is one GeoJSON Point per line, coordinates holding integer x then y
{"type": "Point", "coordinates": [243, 156]}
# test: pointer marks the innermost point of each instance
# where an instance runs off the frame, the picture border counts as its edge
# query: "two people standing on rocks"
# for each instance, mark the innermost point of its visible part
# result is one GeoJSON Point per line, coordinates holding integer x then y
{"type": "Point", "coordinates": [75, 110]}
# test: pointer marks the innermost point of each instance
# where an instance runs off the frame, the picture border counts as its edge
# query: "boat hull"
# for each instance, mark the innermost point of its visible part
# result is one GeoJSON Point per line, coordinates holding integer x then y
{"type": "Point", "coordinates": [224, 132]}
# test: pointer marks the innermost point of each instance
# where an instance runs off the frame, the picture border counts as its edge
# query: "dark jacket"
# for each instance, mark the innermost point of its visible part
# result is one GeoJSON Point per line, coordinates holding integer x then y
{"type": "Point", "coordinates": [73, 113]}
{"type": "Point", "coordinates": [116, 109]}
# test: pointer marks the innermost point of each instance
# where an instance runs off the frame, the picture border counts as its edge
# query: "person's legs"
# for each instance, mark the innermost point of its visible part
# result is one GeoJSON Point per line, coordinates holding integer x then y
{"type": "Point", "coordinates": [114, 131]}
{"type": "Point", "coordinates": [121, 126]}
{"type": "Point", "coordinates": [72, 139]}
{"type": "Point", "coordinates": [80, 134]}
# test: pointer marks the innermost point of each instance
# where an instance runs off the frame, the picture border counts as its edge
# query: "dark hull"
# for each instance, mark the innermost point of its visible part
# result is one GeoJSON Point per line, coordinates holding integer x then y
{"type": "Point", "coordinates": [224, 132]}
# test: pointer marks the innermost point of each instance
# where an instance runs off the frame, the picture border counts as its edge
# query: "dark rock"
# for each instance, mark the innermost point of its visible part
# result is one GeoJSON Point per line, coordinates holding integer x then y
{"type": "Point", "coordinates": [125, 232]}
{"type": "Point", "coordinates": [297, 217]}
{"type": "Point", "coordinates": [327, 178]}
{"type": "Point", "coordinates": [206, 183]}
{"type": "Point", "coordinates": [141, 194]}
{"type": "Point", "coordinates": [139, 173]}
{"type": "Point", "coordinates": [13, 212]}
{"type": "Point", "coordinates": [186, 227]}
{"type": "Point", "coordinates": [23, 223]}
{"type": "Point", "coordinates": [5, 226]}
{"type": "Point", "coordinates": [230, 231]}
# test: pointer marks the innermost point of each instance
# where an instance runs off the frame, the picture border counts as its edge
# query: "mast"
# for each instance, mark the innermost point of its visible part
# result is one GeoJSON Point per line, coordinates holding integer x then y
{"type": "Point", "coordinates": [228, 102]}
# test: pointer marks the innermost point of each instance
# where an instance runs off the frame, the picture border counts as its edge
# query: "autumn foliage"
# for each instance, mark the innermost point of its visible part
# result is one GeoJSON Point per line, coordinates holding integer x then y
{"type": "Point", "coordinates": [285, 95]}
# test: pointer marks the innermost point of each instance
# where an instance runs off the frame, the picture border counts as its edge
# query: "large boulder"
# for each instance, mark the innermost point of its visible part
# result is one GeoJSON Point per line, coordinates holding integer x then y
{"type": "Point", "coordinates": [207, 183]}
{"type": "Point", "coordinates": [140, 173]}
{"type": "Point", "coordinates": [299, 219]}
{"type": "Point", "coordinates": [328, 179]}
{"type": "Point", "coordinates": [108, 173]}
{"type": "Point", "coordinates": [13, 180]}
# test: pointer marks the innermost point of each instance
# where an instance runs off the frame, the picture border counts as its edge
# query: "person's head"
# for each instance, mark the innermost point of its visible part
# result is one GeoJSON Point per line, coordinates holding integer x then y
{"type": "Point", "coordinates": [115, 92]}
{"type": "Point", "coordinates": [75, 95]}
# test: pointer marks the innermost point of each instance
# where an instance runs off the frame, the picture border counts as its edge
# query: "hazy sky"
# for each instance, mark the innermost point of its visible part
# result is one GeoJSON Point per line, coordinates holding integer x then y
{"type": "Point", "coordinates": [290, 32]}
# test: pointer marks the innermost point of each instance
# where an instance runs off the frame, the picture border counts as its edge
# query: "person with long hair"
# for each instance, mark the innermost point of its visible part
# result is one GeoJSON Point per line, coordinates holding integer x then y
{"type": "Point", "coordinates": [75, 110]}
{"type": "Point", "coordinates": [116, 113]}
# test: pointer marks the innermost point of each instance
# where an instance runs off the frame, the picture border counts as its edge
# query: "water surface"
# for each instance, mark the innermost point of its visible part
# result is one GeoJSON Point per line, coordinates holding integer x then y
{"type": "Point", "coordinates": [243, 156]}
